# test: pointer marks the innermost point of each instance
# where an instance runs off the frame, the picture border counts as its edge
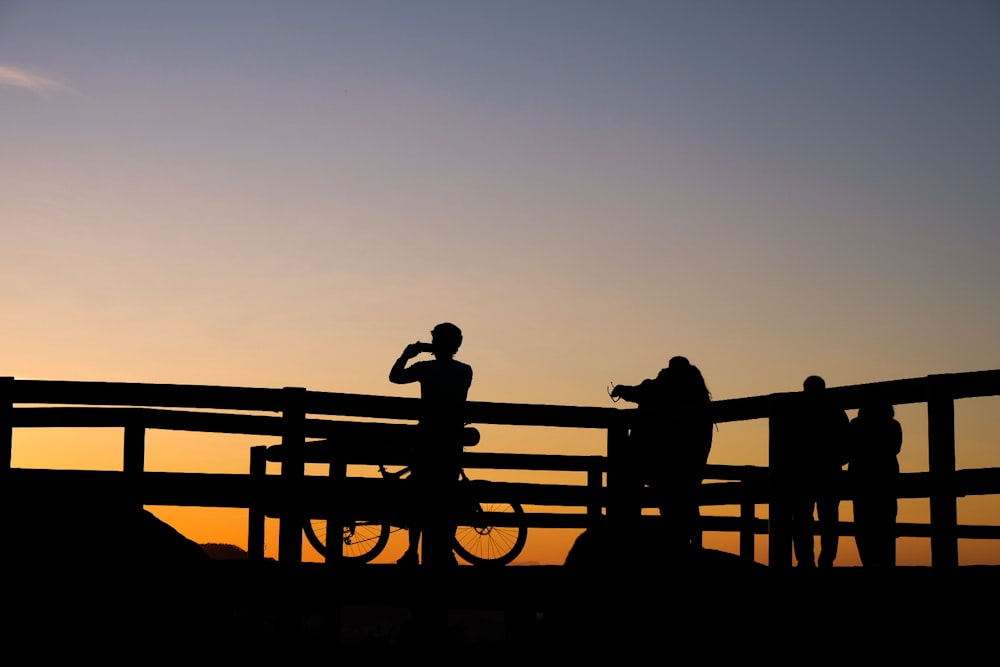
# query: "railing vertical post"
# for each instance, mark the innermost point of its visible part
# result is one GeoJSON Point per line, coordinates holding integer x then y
{"type": "Point", "coordinates": [779, 530]}
{"type": "Point", "coordinates": [290, 511]}
{"type": "Point", "coordinates": [623, 487]}
{"type": "Point", "coordinates": [256, 514]}
{"type": "Point", "coordinates": [335, 507]}
{"type": "Point", "coordinates": [941, 463]}
{"type": "Point", "coordinates": [134, 461]}
{"type": "Point", "coordinates": [292, 474]}
{"type": "Point", "coordinates": [595, 486]}
{"type": "Point", "coordinates": [747, 529]}
{"type": "Point", "coordinates": [335, 520]}
{"type": "Point", "coordinates": [6, 425]}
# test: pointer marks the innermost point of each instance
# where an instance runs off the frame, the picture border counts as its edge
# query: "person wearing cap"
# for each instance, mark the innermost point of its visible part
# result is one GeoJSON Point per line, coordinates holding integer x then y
{"type": "Point", "coordinates": [444, 387]}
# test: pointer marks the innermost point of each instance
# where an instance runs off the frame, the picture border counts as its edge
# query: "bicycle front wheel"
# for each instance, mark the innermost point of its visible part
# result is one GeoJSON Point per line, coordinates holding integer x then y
{"type": "Point", "coordinates": [486, 544]}
{"type": "Point", "coordinates": [361, 541]}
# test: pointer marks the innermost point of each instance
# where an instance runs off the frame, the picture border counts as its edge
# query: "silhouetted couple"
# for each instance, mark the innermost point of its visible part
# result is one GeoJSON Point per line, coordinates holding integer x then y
{"type": "Point", "coordinates": [821, 441]}
{"type": "Point", "coordinates": [670, 441]}
{"type": "Point", "coordinates": [444, 387]}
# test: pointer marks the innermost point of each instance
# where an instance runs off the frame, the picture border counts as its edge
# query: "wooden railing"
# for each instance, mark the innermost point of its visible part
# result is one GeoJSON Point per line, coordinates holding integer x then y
{"type": "Point", "coordinates": [296, 415]}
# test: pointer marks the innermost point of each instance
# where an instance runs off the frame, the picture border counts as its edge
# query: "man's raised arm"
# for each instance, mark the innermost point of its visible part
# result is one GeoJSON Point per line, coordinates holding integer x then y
{"type": "Point", "coordinates": [399, 373]}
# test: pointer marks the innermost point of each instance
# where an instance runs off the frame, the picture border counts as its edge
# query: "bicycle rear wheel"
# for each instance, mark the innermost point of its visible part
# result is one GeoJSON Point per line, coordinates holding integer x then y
{"type": "Point", "coordinates": [485, 544]}
{"type": "Point", "coordinates": [361, 541]}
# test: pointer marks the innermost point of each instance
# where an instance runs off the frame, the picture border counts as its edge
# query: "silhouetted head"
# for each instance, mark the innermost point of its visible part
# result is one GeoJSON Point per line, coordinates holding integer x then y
{"type": "Point", "coordinates": [679, 363]}
{"type": "Point", "coordinates": [446, 339]}
{"type": "Point", "coordinates": [814, 383]}
{"type": "Point", "coordinates": [685, 380]}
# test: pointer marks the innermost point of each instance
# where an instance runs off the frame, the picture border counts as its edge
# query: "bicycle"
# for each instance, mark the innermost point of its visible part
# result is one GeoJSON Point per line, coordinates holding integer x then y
{"type": "Point", "coordinates": [480, 543]}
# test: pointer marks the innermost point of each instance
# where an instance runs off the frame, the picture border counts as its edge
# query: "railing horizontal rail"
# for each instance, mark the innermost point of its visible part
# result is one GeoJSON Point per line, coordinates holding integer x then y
{"type": "Point", "coordinates": [239, 491]}
{"type": "Point", "coordinates": [147, 395]}
{"type": "Point", "coordinates": [151, 418]}
{"type": "Point", "coordinates": [49, 392]}
{"type": "Point", "coordinates": [382, 452]}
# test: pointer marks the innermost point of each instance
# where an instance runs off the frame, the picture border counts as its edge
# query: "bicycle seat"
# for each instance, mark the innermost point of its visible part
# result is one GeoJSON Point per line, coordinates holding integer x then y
{"type": "Point", "coordinates": [470, 436]}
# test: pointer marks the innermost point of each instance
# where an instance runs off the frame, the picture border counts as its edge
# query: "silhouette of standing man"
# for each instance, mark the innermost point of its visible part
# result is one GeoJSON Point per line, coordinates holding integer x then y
{"type": "Point", "coordinates": [818, 453]}
{"type": "Point", "coordinates": [444, 387]}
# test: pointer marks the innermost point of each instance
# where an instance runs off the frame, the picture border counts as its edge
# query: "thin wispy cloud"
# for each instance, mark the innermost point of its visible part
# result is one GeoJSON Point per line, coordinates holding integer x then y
{"type": "Point", "coordinates": [19, 77]}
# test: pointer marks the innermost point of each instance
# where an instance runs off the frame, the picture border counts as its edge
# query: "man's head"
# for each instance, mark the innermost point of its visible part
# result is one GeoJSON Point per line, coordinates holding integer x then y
{"type": "Point", "coordinates": [813, 384]}
{"type": "Point", "coordinates": [446, 339]}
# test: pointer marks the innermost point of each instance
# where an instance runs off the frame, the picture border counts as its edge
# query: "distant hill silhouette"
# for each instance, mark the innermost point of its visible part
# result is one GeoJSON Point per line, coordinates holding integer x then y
{"type": "Point", "coordinates": [217, 551]}
{"type": "Point", "coordinates": [47, 529]}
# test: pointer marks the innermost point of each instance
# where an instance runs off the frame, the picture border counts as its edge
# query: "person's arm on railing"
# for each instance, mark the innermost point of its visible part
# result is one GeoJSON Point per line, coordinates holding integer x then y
{"type": "Point", "coordinates": [632, 394]}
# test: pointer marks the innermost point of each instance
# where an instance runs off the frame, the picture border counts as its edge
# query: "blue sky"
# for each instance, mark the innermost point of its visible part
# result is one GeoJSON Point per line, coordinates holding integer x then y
{"type": "Point", "coordinates": [774, 188]}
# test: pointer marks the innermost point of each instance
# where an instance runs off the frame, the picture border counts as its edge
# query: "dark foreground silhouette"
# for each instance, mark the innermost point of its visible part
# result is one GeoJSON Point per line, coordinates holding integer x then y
{"type": "Point", "coordinates": [95, 577]}
{"type": "Point", "coordinates": [100, 579]}
{"type": "Point", "coordinates": [709, 607]}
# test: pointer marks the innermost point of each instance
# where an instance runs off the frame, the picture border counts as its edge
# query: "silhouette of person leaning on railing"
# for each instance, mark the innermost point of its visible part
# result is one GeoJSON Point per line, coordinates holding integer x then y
{"type": "Point", "coordinates": [444, 387]}
{"type": "Point", "coordinates": [672, 454]}
{"type": "Point", "coordinates": [875, 440]}
{"type": "Point", "coordinates": [816, 455]}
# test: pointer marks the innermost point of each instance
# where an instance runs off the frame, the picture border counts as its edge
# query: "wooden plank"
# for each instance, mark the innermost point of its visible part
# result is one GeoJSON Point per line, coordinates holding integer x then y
{"type": "Point", "coordinates": [747, 530]}
{"type": "Point", "coordinates": [912, 390]}
{"type": "Point", "coordinates": [977, 481]}
{"type": "Point", "coordinates": [256, 513]}
{"type": "Point", "coordinates": [941, 460]}
{"type": "Point", "coordinates": [147, 395]}
{"type": "Point", "coordinates": [6, 424]}
{"type": "Point", "coordinates": [292, 472]}
{"type": "Point", "coordinates": [779, 543]}
{"type": "Point", "coordinates": [134, 462]}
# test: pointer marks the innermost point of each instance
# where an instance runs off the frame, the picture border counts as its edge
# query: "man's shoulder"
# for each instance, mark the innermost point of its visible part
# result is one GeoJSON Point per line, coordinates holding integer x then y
{"type": "Point", "coordinates": [464, 370]}
{"type": "Point", "coordinates": [455, 364]}
{"type": "Point", "coordinates": [449, 366]}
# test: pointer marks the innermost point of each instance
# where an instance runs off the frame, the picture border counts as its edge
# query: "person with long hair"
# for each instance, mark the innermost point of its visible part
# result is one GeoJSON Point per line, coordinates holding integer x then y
{"type": "Point", "coordinates": [875, 440]}
{"type": "Point", "coordinates": [672, 438]}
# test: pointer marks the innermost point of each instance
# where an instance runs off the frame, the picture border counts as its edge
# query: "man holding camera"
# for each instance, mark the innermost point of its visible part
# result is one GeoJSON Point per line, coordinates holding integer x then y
{"type": "Point", "coordinates": [444, 387]}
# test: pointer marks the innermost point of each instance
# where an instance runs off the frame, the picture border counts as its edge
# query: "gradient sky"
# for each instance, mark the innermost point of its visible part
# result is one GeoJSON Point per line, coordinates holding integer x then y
{"type": "Point", "coordinates": [286, 193]}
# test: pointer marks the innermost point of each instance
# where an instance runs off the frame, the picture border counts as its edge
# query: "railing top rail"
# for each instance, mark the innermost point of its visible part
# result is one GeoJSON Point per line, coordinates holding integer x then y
{"type": "Point", "coordinates": [138, 394]}
{"type": "Point", "coordinates": [249, 399]}
{"type": "Point", "coordinates": [918, 390]}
